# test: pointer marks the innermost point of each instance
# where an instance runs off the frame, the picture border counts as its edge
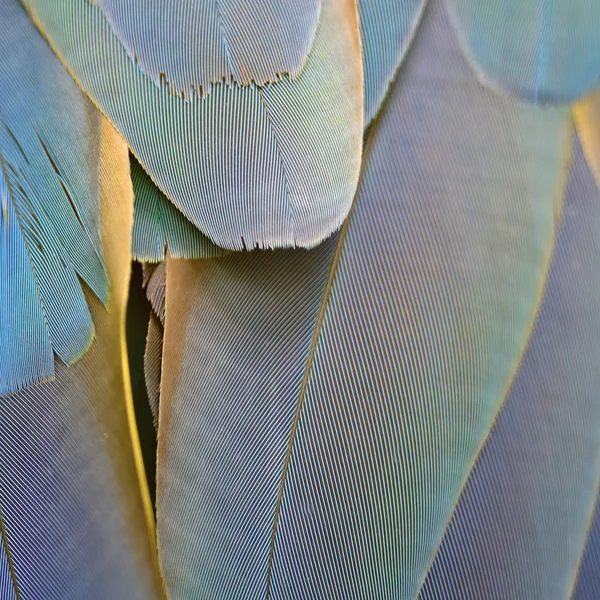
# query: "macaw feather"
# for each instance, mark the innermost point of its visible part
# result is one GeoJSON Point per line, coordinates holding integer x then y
{"type": "Point", "coordinates": [159, 227]}
{"type": "Point", "coordinates": [76, 517]}
{"type": "Point", "coordinates": [248, 166]}
{"type": "Point", "coordinates": [543, 51]}
{"type": "Point", "coordinates": [520, 526]}
{"type": "Point", "coordinates": [49, 200]}
{"type": "Point", "coordinates": [321, 410]}
{"type": "Point", "coordinates": [193, 45]}
{"type": "Point", "coordinates": [387, 28]}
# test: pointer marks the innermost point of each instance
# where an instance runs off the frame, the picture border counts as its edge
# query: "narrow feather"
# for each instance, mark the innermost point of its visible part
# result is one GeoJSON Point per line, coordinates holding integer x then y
{"type": "Point", "coordinates": [386, 29]}
{"type": "Point", "coordinates": [521, 524]}
{"type": "Point", "coordinates": [49, 140]}
{"type": "Point", "coordinates": [8, 590]}
{"type": "Point", "coordinates": [545, 51]}
{"type": "Point", "coordinates": [158, 226]}
{"type": "Point", "coordinates": [193, 44]}
{"type": "Point", "coordinates": [71, 502]}
{"type": "Point", "coordinates": [153, 365]}
{"type": "Point", "coordinates": [272, 166]}
{"type": "Point", "coordinates": [320, 410]}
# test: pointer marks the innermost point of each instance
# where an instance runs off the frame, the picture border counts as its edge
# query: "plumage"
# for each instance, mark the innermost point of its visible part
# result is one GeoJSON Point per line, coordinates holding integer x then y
{"type": "Point", "coordinates": [158, 226]}
{"type": "Point", "coordinates": [588, 576]}
{"type": "Point", "coordinates": [386, 29]}
{"type": "Point", "coordinates": [254, 166]}
{"type": "Point", "coordinates": [49, 226]}
{"type": "Point", "coordinates": [194, 44]}
{"type": "Point", "coordinates": [544, 51]}
{"type": "Point", "coordinates": [320, 411]}
{"type": "Point", "coordinates": [72, 493]}
{"type": "Point", "coordinates": [521, 524]}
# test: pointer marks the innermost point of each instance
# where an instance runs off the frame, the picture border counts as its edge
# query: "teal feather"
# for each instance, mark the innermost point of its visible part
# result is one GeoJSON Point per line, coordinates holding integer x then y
{"type": "Point", "coordinates": [270, 166]}
{"type": "Point", "coordinates": [543, 50]}
{"type": "Point", "coordinates": [193, 45]}
{"type": "Point", "coordinates": [159, 227]}
{"type": "Point", "coordinates": [49, 157]}
{"type": "Point", "coordinates": [321, 410]}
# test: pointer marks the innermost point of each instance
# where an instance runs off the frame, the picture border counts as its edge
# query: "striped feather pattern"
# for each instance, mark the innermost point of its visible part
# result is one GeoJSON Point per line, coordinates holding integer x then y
{"type": "Point", "coordinates": [320, 411]}
{"type": "Point", "coordinates": [386, 29]}
{"type": "Point", "coordinates": [158, 226]}
{"type": "Point", "coordinates": [520, 526]}
{"type": "Point", "coordinates": [70, 498]}
{"type": "Point", "coordinates": [545, 51]}
{"type": "Point", "coordinates": [194, 44]}
{"type": "Point", "coordinates": [273, 166]}
{"type": "Point", "coordinates": [153, 364]}
{"type": "Point", "coordinates": [49, 140]}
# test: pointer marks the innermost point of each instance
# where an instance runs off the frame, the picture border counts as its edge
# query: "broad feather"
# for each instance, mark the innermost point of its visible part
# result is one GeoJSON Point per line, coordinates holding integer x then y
{"type": "Point", "coordinates": [321, 411]}
{"type": "Point", "coordinates": [248, 166]}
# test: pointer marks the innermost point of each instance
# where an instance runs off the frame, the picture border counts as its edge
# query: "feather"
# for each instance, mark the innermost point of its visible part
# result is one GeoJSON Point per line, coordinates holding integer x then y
{"type": "Point", "coordinates": [270, 166]}
{"type": "Point", "coordinates": [520, 526]}
{"type": "Point", "coordinates": [155, 284]}
{"type": "Point", "coordinates": [194, 44]}
{"type": "Point", "coordinates": [158, 225]}
{"type": "Point", "coordinates": [386, 29]}
{"type": "Point", "coordinates": [321, 410]}
{"type": "Point", "coordinates": [72, 493]}
{"type": "Point", "coordinates": [49, 223]}
{"type": "Point", "coordinates": [546, 51]}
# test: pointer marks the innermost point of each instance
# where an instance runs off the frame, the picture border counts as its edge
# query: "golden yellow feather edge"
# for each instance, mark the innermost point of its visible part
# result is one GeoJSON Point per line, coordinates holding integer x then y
{"type": "Point", "coordinates": [116, 202]}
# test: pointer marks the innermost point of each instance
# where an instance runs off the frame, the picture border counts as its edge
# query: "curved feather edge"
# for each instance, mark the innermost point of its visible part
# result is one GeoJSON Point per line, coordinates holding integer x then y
{"type": "Point", "coordinates": [387, 29]}
{"type": "Point", "coordinates": [192, 45]}
{"type": "Point", "coordinates": [269, 167]}
{"type": "Point", "coordinates": [159, 227]}
{"type": "Point", "coordinates": [320, 410]}
{"type": "Point", "coordinates": [49, 199]}
{"type": "Point", "coordinates": [72, 474]}
{"type": "Point", "coordinates": [520, 526]}
{"type": "Point", "coordinates": [543, 52]}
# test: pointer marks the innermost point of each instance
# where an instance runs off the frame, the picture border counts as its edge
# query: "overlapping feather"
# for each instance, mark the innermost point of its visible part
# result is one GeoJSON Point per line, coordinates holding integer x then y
{"type": "Point", "coordinates": [253, 166]}
{"type": "Point", "coordinates": [49, 200]}
{"type": "Point", "coordinates": [76, 519]}
{"type": "Point", "coordinates": [320, 411]}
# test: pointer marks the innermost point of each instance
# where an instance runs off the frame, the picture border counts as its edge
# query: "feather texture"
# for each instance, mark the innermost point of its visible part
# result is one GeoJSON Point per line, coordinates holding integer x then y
{"type": "Point", "coordinates": [386, 30]}
{"type": "Point", "coordinates": [588, 576]}
{"type": "Point", "coordinates": [71, 503]}
{"type": "Point", "coordinates": [520, 526]}
{"type": "Point", "coordinates": [158, 225]}
{"type": "Point", "coordinates": [7, 588]}
{"type": "Point", "coordinates": [49, 226]}
{"type": "Point", "coordinates": [195, 44]}
{"type": "Point", "coordinates": [321, 410]}
{"type": "Point", "coordinates": [546, 51]}
{"type": "Point", "coordinates": [272, 166]}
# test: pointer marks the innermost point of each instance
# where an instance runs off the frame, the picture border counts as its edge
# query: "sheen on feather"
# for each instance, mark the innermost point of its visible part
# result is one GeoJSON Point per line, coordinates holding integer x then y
{"type": "Point", "coordinates": [520, 526]}
{"type": "Point", "coordinates": [253, 166]}
{"type": "Point", "coordinates": [71, 491]}
{"type": "Point", "coordinates": [49, 227]}
{"type": "Point", "coordinates": [320, 411]}
{"type": "Point", "coordinates": [192, 44]}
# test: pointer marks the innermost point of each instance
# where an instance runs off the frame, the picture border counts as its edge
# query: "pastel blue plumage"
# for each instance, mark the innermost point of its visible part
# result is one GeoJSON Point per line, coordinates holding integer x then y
{"type": "Point", "coordinates": [194, 44]}
{"type": "Point", "coordinates": [49, 153]}
{"type": "Point", "coordinates": [520, 527]}
{"type": "Point", "coordinates": [542, 50]}
{"type": "Point", "coordinates": [273, 166]}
